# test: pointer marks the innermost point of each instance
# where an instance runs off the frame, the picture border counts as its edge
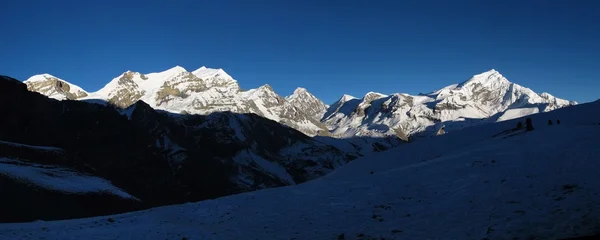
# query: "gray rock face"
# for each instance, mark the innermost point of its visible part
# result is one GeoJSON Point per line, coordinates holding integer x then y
{"type": "Point", "coordinates": [307, 103]}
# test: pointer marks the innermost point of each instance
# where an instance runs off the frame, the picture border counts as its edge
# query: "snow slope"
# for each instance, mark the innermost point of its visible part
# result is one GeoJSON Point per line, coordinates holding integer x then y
{"type": "Point", "coordinates": [57, 178]}
{"type": "Point", "coordinates": [42, 148]}
{"type": "Point", "coordinates": [482, 182]}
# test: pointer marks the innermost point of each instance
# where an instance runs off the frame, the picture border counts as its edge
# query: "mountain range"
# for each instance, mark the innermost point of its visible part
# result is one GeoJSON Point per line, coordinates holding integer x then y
{"type": "Point", "coordinates": [485, 97]}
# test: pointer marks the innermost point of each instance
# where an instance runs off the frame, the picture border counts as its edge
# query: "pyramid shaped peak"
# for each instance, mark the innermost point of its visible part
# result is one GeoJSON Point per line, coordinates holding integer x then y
{"type": "Point", "coordinates": [301, 93]}
{"type": "Point", "coordinates": [488, 74]}
{"type": "Point", "coordinates": [490, 77]}
{"type": "Point", "coordinates": [346, 97]}
{"type": "Point", "coordinates": [300, 90]}
{"type": "Point", "coordinates": [176, 69]}
{"type": "Point", "coordinates": [266, 87]}
{"type": "Point", "coordinates": [204, 73]}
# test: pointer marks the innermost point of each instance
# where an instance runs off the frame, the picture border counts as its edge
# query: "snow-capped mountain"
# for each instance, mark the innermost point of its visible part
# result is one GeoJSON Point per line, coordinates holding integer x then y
{"type": "Point", "coordinates": [307, 103]}
{"type": "Point", "coordinates": [54, 87]}
{"type": "Point", "coordinates": [485, 97]}
{"type": "Point", "coordinates": [202, 91]}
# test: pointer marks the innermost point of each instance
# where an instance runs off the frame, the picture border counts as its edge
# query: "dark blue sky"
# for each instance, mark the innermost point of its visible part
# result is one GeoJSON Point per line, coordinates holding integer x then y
{"type": "Point", "coordinates": [329, 47]}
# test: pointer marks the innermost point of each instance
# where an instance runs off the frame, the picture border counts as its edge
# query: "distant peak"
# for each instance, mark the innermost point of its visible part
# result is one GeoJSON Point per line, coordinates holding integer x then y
{"type": "Point", "coordinates": [490, 72]}
{"type": "Point", "coordinates": [346, 98]}
{"type": "Point", "coordinates": [266, 86]}
{"type": "Point", "coordinates": [375, 94]}
{"type": "Point", "coordinates": [176, 69]}
{"type": "Point", "coordinates": [40, 77]}
{"type": "Point", "coordinates": [47, 75]}
{"type": "Point", "coordinates": [300, 90]}
{"type": "Point", "coordinates": [204, 73]}
{"type": "Point", "coordinates": [203, 69]}
{"type": "Point", "coordinates": [486, 78]}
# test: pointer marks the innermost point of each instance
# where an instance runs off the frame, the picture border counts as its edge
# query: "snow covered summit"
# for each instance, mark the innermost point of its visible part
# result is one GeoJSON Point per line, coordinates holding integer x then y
{"type": "Point", "coordinates": [54, 87]}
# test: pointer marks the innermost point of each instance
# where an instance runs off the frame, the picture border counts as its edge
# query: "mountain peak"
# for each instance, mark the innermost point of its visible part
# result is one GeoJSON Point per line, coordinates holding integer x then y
{"type": "Point", "coordinates": [374, 94]}
{"type": "Point", "coordinates": [346, 98]}
{"type": "Point", "coordinates": [176, 69]}
{"type": "Point", "coordinates": [40, 77]}
{"type": "Point", "coordinates": [307, 103]}
{"type": "Point", "coordinates": [491, 71]}
{"type": "Point", "coordinates": [302, 95]}
{"type": "Point", "coordinates": [206, 73]}
{"type": "Point", "coordinates": [488, 78]}
{"type": "Point", "coordinates": [300, 90]}
{"type": "Point", "coordinates": [266, 87]}
{"type": "Point", "coordinates": [488, 74]}
{"type": "Point", "coordinates": [54, 87]}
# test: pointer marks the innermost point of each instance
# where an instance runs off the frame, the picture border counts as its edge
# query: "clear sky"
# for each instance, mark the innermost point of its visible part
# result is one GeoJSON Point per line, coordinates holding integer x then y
{"type": "Point", "coordinates": [328, 47]}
